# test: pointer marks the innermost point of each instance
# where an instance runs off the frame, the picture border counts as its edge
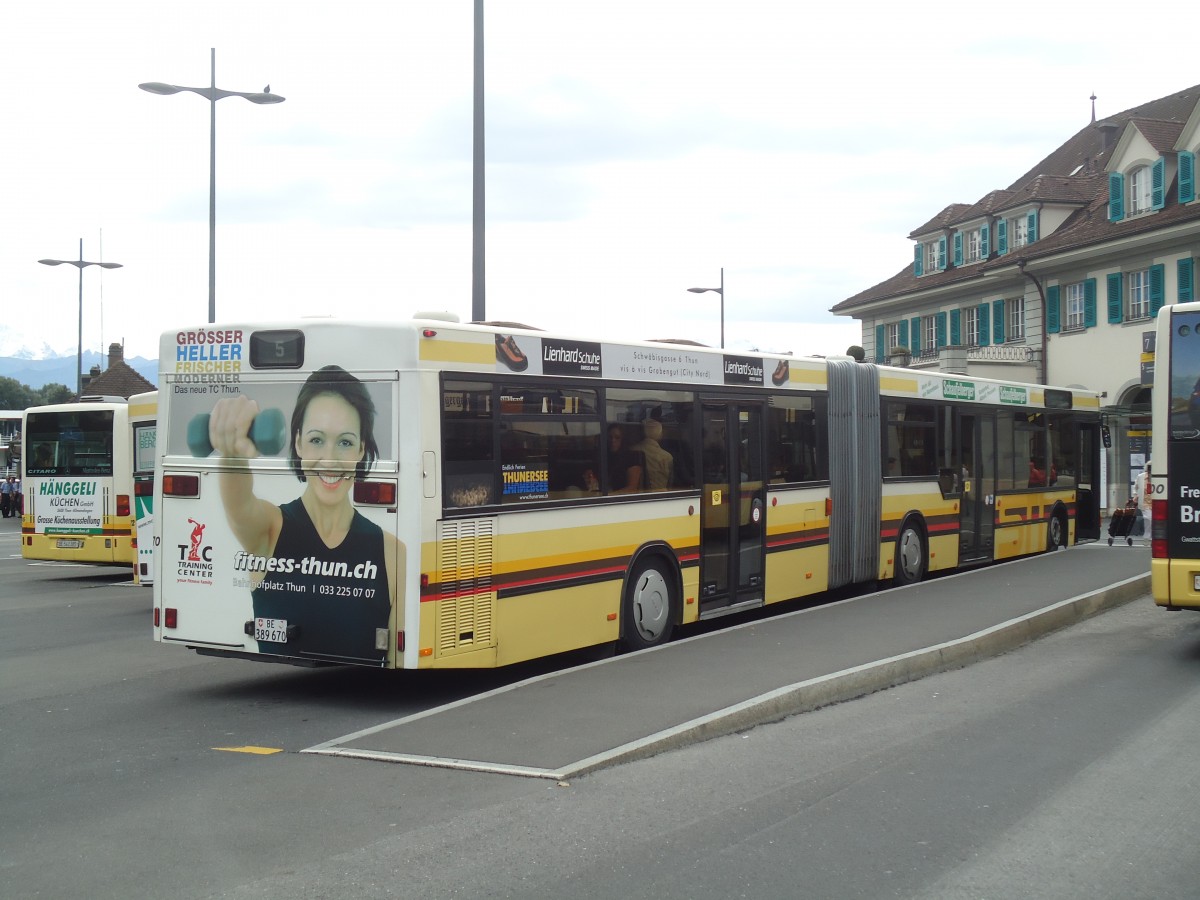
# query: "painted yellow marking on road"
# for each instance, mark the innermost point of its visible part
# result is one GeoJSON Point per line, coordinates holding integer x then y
{"type": "Point", "coordinates": [261, 751]}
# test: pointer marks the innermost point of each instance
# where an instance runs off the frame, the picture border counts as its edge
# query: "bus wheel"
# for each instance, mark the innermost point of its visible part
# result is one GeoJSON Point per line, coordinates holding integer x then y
{"type": "Point", "coordinates": [910, 554]}
{"type": "Point", "coordinates": [1056, 532]}
{"type": "Point", "coordinates": [648, 613]}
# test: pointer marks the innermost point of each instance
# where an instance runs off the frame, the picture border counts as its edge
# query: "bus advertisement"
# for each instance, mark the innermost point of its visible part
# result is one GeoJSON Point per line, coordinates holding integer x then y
{"type": "Point", "coordinates": [78, 483]}
{"type": "Point", "coordinates": [434, 494]}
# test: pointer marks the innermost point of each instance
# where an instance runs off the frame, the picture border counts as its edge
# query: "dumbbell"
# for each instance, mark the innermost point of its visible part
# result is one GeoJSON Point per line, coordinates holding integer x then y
{"type": "Point", "coordinates": [267, 431]}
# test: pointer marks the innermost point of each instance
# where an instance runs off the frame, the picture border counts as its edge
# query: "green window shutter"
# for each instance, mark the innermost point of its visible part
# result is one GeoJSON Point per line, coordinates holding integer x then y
{"type": "Point", "coordinates": [941, 330]}
{"type": "Point", "coordinates": [1187, 176]}
{"type": "Point", "coordinates": [941, 253]}
{"type": "Point", "coordinates": [1033, 227]}
{"type": "Point", "coordinates": [955, 327]}
{"type": "Point", "coordinates": [985, 326]}
{"type": "Point", "coordinates": [958, 248]}
{"type": "Point", "coordinates": [880, 350]}
{"type": "Point", "coordinates": [1116, 298]}
{"type": "Point", "coordinates": [1052, 309]}
{"type": "Point", "coordinates": [918, 260]}
{"type": "Point", "coordinates": [1116, 196]}
{"type": "Point", "coordinates": [998, 322]}
{"type": "Point", "coordinates": [1158, 190]}
{"type": "Point", "coordinates": [1186, 270]}
{"type": "Point", "coordinates": [915, 334]}
{"type": "Point", "coordinates": [1089, 303]}
{"type": "Point", "coordinates": [1157, 279]}
{"type": "Point", "coordinates": [985, 241]}
{"type": "Point", "coordinates": [902, 332]}
{"type": "Point", "coordinates": [1002, 236]}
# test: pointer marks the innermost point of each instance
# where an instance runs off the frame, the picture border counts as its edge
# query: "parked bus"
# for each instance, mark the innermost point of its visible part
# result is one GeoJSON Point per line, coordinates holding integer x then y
{"type": "Point", "coordinates": [78, 482]}
{"type": "Point", "coordinates": [434, 494]}
{"type": "Point", "coordinates": [1175, 459]}
{"type": "Point", "coordinates": [143, 414]}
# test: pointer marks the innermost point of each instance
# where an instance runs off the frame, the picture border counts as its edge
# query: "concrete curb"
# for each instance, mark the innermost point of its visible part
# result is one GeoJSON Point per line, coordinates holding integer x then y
{"type": "Point", "coordinates": [848, 684]}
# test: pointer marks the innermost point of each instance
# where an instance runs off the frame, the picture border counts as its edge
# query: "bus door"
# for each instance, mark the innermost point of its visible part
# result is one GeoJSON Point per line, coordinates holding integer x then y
{"type": "Point", "coordinates": [733, 506]}
{"type": "Point", "coordinates": [1087, 492]}
{"type": "Point", "coordinates": [977, 462]}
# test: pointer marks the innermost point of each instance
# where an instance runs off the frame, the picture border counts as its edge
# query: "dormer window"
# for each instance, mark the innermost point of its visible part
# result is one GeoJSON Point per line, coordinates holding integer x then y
{"type": "Point", "coordinates": [929, 256]}
{"type": "Point", "coordinates": [1140, 191]}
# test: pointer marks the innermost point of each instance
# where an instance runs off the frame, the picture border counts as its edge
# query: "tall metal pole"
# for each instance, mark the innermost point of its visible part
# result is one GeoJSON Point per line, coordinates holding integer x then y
{"type": "Point", "coordinates": [478, 281]}
{"type": "Point", "coordinates": [212, 193]}
{"type": "Point", "coordinates": [722, 293]}
{"type": "Point", "coordinates": [79, 348]}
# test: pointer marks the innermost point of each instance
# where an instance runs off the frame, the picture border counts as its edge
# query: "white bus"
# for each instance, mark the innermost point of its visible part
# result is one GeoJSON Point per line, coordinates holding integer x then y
{"type": "Point", "coordinates": [143, 415]}
{"type": "Point", "coordinates": [78, 482]}
{"type": "Point", "coordinates": [435, 494]}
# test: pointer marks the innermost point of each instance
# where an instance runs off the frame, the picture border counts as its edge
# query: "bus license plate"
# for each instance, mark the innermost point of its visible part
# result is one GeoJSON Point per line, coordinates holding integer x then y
{"type": "Point", "coordinates": [1196, 583]}
{"type": "Point", "coordinates": [272, 630]}
{"type": "Point", "coordinates": [69, 544]}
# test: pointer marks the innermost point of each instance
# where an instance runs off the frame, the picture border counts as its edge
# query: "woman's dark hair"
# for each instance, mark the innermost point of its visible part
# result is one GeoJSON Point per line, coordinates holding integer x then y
{"type": "Point", "coordinates": [337, 381]}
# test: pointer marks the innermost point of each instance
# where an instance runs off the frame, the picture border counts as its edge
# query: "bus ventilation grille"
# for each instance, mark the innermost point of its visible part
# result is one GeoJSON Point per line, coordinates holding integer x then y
{"type": "Point", "coordinates": [466, 610]}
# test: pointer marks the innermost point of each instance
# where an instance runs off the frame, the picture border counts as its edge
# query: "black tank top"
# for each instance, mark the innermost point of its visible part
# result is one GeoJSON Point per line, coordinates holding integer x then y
{"type": "Point", "coordinates": [336, 596]}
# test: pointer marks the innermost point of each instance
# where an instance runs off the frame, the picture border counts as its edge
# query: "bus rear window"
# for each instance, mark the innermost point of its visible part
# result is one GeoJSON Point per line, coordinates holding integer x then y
{"type": "Point", "coordinates": [79, 442]}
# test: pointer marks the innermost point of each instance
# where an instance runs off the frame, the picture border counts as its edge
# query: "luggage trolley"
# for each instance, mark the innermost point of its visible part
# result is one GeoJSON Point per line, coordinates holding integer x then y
{"type": "Point", "coordinates": [1123, 522]}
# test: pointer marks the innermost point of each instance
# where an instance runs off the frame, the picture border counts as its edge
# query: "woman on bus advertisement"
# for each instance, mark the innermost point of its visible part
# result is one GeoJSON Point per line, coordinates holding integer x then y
{"type": "Point", "coordinates": [315, 561]}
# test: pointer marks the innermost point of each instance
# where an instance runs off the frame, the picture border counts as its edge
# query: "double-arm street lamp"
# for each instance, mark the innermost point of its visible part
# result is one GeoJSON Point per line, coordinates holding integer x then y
{"type": "Point", "coordinates": [212, 93]}
{"type": "Point", "coordinates": [717, 290]}
{"type": "Point", "coordinates": [81, 264]}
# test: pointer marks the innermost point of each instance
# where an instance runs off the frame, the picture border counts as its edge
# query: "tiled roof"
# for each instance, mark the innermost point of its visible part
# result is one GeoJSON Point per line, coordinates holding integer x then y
{"type": "Point", "coordinates": [948, 216]}
{"type": "Point", "coordinates": [118, 380]}
{"type": "Point", "coordinates": [1052, 181]}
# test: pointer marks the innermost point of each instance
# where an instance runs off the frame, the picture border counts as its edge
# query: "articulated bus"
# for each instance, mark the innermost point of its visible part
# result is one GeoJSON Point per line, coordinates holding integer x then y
{"type": "Point", "coordinates": [78, 482]}
{"type": "Point", "coordinates": [143, 415]}
{"type": "Point", "coordinates": [1175, 459]}
{"type": "Point", "coordinates": [435, 494]}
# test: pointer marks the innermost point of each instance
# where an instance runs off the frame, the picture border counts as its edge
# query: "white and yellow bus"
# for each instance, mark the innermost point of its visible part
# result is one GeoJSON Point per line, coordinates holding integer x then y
{"type": "Point", "coordinates": [78, 483]}
{"type": "Point", "coordinates": [143, 416]}
{"type": "Point", "coordinates": [435, 494]}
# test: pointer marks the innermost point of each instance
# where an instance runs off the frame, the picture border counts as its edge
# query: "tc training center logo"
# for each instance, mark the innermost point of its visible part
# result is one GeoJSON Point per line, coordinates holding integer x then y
{"type": "Point", "coordinates": [195, 557]}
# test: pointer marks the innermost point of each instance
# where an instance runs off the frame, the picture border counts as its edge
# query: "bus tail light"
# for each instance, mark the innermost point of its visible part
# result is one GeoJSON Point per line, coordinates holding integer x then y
{"type": "Point", "coordinates": [122, 504]}
{"type": "Point", "coordinates": [170, 617]}
{"type": "Point", "coordinates": [157, 617]}
{"type": "Point", "coordinates": [181, 485]}
{"type": "Point", "coordinates": [375, 493]}
{"type": "Point", "coordinates": [1158, 529]}
{"type": "Point", "coordinates": [143, 489]}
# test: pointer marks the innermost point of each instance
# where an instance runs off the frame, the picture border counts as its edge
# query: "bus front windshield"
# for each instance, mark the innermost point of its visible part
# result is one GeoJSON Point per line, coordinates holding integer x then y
{"type": "Point", "coordinates": [79, 442]}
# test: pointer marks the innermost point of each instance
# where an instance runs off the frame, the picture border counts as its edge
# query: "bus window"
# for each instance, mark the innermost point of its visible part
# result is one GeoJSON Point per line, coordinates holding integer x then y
{"type": "Point", "coordinates": [796, 441]}
{"type": "Point", "coordinates": [912, 440]}
{"type": "Point", "coordinates": [1064, 449]}
{"type": "Point", "coordinates": [468, 469]}
{"type": "Point", "coordinates": [656, 429]}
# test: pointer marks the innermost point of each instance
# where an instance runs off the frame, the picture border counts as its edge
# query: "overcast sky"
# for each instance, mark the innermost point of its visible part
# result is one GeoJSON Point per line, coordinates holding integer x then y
{"type": "Point", "coordinates": [634, 148]}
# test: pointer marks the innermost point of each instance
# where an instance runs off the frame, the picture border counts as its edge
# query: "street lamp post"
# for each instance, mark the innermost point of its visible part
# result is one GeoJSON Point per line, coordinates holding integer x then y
{"type": "Point", "coordinates": [81, 264]}
{"type": "Point", "coordinates": [212, 93]}
{"type": "Point", "coordinates": [717, 290]}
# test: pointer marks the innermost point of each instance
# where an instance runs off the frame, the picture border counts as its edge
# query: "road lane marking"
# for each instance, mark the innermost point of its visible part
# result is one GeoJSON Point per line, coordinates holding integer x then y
{"type": "Point", "coordinates": [258, 751]}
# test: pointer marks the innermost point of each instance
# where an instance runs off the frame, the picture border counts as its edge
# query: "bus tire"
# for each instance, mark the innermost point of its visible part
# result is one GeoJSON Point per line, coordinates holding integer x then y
{"type": "Point", "coordinates": [648, 611]}
{"type": "Point", "coordinates": [1056, 530]}
{"type": "Point", "coordinates": [911, 556]}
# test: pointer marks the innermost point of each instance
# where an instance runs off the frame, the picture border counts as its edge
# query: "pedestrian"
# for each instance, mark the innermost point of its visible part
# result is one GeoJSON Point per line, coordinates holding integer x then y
{"type": "Point", "coordinates": [1141, 498]}
{"type": "Point", "coordinates": [6, 497]}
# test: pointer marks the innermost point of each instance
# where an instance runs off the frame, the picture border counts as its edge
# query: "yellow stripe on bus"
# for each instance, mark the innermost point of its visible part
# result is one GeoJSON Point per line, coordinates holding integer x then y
{"type": "Point", "coordinates": [458, 352]}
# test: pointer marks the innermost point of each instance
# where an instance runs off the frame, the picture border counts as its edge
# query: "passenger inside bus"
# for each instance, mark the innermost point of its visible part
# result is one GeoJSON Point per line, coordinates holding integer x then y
{"type": "Point", "coordinates": [626, 466]}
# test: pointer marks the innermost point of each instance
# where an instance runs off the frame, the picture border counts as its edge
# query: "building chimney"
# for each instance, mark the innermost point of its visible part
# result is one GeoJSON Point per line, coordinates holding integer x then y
{"type": "Point", "coordinates": [116, 354]}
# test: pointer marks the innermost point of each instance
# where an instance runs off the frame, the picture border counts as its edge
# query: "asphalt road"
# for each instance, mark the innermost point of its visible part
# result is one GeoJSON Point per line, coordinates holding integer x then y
{"type": "Point", "coordinates": [1062, 769]}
